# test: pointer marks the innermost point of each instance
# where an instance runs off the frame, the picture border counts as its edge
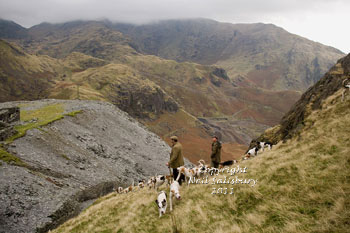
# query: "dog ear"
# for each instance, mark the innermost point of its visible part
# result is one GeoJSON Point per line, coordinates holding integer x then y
{"type": "Point", "coordinates": [156, 201]}
{"type": "Point", "coordinates": [163, 202]}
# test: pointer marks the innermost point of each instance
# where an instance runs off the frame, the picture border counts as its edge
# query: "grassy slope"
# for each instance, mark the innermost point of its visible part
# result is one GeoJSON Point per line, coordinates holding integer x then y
{"type": "Point", "coordinates": [24, 76]}
{"type": "Point", "coordinates": [303, 186]}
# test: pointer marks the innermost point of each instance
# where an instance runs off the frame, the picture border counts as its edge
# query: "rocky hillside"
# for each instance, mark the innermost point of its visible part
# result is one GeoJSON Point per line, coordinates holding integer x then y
{"type": "Point", "coordinates": [296, 119]}
{"type": "Point", "coordinates": [67, 153]}
{"type": "Point", "coordinates": [301, 185]}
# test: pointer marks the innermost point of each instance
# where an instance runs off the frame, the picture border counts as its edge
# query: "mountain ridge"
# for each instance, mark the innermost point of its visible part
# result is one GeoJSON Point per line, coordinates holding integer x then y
{"type": "Point", "coordinates": [95, 61]}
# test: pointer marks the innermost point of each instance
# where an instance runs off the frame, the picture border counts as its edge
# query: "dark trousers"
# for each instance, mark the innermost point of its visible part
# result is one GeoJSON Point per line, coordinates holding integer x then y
{"type": "Point", "coordinates": [214, 164]}
{"type": "Point", "coordinates": [176, 173]}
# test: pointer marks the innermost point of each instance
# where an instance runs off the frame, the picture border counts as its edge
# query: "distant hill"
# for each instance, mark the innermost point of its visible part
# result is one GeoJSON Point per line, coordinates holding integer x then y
{"type": "Point", "coordinates": [265, 55]}
{"type": "Point", "coordinates": [12, 30]}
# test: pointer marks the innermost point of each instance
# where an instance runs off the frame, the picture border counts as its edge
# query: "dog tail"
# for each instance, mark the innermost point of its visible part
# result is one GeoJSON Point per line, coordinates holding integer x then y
{"type": "Point", "coordinates": [201, 162]}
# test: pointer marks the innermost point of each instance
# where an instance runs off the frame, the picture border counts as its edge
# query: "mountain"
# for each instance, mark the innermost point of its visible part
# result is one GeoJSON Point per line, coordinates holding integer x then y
{"type": "Point", "coordinates": [106, 61]}
{"type": "Point", "coordinates": [301, 185]}
{"type": "Point", "coordinates": [263, 54]}
{"type": "Point", "coordinates": [24, 76]}
{"type": "Point", "coordinates": [65, 154]}
{"type": "Point", "coordinates": [11, 30]}
{"type": "Point", "coordinates": [132, 86]}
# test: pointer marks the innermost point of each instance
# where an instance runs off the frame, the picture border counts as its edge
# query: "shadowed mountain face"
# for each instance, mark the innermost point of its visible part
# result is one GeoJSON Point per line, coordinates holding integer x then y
{"type": "Point", "coordinates": [11, 30]}
{"type": "Point", "coordinates": [239, 88]}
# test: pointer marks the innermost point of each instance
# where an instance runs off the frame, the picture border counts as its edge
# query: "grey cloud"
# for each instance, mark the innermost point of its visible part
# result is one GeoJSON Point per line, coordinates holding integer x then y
{"type": "Point", "coordinates": [32, 12]}
{"type": "Point", "coordinates": [286, 13]}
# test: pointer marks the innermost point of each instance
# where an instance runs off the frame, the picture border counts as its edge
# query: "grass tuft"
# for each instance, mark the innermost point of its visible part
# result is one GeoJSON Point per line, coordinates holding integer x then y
{"type": "Point", "coordinates": [10, 158]}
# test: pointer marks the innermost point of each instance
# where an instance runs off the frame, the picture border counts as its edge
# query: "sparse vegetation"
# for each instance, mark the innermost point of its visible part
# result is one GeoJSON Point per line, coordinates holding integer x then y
{"type": "Point", "coordinates": [73, 114]}
{"type": "Point", "coordinates": [39, 117]}
{"type": "Point", "coordinates": [10, 158]}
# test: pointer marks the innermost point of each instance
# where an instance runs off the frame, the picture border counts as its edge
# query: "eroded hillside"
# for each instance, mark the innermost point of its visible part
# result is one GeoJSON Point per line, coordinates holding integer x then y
{"type": "Point", "coordinates": [67, 153]}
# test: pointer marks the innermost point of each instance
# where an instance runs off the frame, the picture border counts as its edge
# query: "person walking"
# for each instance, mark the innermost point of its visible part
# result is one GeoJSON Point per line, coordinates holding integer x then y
{"type": "Point", "coordinates": [176, 158]}
{"type": "Point", "coordinates": [215, 152]}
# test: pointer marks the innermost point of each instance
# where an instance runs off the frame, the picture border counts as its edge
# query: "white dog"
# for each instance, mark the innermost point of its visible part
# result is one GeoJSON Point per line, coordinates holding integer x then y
{"type": "Point", "coordinates": [174, 191]}
{"type": "Point", "coordinates": [253, 151]}
{"type": "Point", "coordinates": [159, 181]}
{"type": "Point", "coordinates": [161, 203]}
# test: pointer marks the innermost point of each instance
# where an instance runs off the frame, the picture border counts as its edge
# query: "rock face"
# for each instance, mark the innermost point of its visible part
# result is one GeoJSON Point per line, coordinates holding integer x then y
{"type": "Point", "coordinates": [294, 120]}
{"type": "Point", "coordinates": [8, 117]}
{"type": "Point", "coordinates": [73, 160]}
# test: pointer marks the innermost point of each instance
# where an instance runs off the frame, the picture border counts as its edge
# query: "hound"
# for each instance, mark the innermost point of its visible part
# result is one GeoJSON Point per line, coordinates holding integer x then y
{"type": "Point", "coordinates": [158, 181]}
{"type": "Point", "coordinates": [141, 184]}
{"type": "Point", "coordinates": [268, 145]}
{"type": "Point", "coordinates": [120, 189]}
{"type": "Point", "coordinates": [174, 191]}
{"type": "Point", "coordinates": [168, 179]}
{"type": "Point", "coordinates": [161, 203]}
{"type": "Point", "coordinates": [262, 146]}
{"type": "Point", "coordinates": [252, 152]}
{"type": "Point", "coordinates": [188, 172]}
{"type": "Point", "coordinates": [129, 189]}
{"type": "Point", "coordinates": [346, 85]}
{"type": "Point", "coordinates": [151, 182]}
{"type": "Point", "coordinates": [227, 163]}
{"type": "Point", "coordinates": [202, 167]}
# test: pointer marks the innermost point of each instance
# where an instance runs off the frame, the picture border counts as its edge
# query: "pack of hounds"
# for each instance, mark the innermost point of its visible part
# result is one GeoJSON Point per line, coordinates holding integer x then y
{"type": "Point", "coordinates": [258, 148]}
{"type": "Point", "coordinates": [198, 171]}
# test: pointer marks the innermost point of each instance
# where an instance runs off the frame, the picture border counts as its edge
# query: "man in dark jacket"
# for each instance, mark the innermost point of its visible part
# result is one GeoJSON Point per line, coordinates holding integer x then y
{"type": "Point", "coordinates": [176, 158]}
{"type": "Point", "coordinates": [215, 152]}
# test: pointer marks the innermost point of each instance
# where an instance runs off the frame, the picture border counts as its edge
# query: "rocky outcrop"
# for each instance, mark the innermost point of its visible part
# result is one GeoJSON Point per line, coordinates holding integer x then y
{"type": "Point", "coordinates": [73, 160]}
{"type": "Point", "coordinates": [8, 117]}
{"type": "Point", "coordinates": [293, 122]}
{"type": "Point", "coordinates": [143, 101]}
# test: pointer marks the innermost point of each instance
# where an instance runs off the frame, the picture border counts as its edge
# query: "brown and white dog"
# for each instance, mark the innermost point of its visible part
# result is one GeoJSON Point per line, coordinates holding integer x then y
{"type": "Point", "coordinates": [168, 179]}
{"type": "Point", "coordinates": [174, 192]}
{"type": "Point", "coordinates": [120, 189]}
{"type": "Point", "coordinates": [188, 172]}
{"type": "Point", "coordinates": [129, 189]}
{"type": "Point", "coordinates": [151, 182]}
{"type": "Point", "coordinates": [141, 184]}
{"type": "Point", "coordinates": [161, 203]}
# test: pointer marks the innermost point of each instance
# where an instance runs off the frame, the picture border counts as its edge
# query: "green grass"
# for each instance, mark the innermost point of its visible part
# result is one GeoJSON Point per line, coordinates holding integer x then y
{"type": "Point", "coordinates": [73, 114]}
{"type": "Point", "coordinates": [43, 116]}
{"type": "Point", "coordinates": [10, 158]}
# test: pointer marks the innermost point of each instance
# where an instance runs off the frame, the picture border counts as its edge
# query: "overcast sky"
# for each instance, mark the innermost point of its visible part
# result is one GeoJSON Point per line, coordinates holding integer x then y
{"type": "Point", "coordinates": [324, 21]}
